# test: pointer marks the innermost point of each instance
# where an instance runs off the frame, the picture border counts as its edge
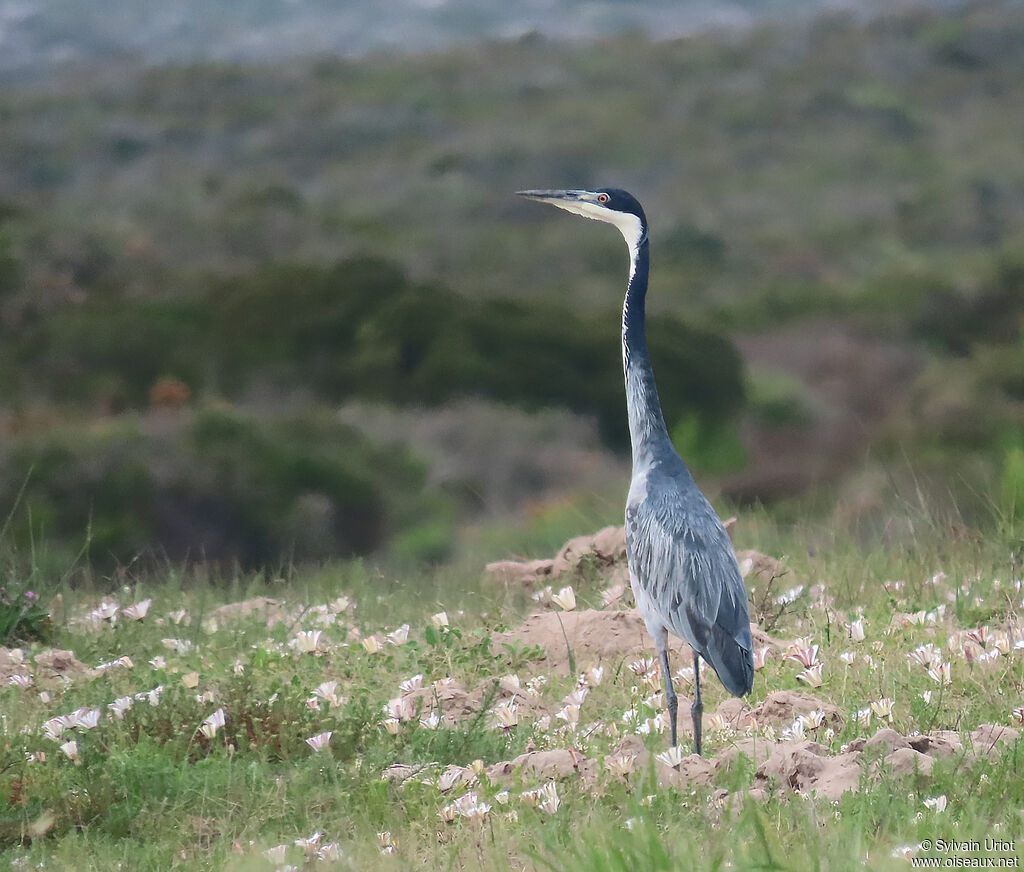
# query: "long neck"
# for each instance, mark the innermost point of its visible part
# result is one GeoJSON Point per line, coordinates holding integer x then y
{"type": "Point", "coordinates": [647, 429]}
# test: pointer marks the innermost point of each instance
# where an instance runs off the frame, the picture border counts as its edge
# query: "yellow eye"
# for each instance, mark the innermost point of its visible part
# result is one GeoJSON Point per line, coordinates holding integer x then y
{"type": "Point", "coordinates": [602, 198]}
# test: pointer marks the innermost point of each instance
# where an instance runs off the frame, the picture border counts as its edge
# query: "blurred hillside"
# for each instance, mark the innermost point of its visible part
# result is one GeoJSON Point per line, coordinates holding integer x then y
{"type": "Point", "coordinates": [837, 210]}
{"type": "Point", "coordinates": [37, 35]}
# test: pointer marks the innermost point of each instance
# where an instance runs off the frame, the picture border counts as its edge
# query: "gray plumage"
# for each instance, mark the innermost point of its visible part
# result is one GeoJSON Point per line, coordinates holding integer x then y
{"type": "Point", "coordinates": [682, 565]}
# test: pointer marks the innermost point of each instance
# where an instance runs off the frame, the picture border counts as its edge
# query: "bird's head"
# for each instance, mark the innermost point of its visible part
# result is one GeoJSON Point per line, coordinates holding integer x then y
{"type": "Point", "coordinates": [611, 205]}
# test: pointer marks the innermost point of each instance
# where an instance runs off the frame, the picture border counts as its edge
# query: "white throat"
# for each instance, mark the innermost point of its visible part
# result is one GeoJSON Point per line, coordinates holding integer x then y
{"type": "Point", "coordinates": [629, 225]}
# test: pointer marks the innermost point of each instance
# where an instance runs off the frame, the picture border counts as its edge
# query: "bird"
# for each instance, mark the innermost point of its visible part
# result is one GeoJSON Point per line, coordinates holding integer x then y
{"type": "Point", "coordinates": [682, 566]}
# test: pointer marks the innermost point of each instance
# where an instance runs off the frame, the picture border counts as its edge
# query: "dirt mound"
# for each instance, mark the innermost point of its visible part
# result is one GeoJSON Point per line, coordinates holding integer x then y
{"type": "Point", "coordinates": [605, 548]}
{"type": "Point", "coordinates": [780, 707]}
{"type": "Point", "coordinates": [545, 765]}
{"type": "Point", "coordinates": [593, 636]}
{"type": "Point", "coordinates": [61, 664]}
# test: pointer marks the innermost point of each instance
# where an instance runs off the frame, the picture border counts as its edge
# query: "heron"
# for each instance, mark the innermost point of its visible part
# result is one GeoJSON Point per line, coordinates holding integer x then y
{"type": "Point", "coordinates": [682, 566]}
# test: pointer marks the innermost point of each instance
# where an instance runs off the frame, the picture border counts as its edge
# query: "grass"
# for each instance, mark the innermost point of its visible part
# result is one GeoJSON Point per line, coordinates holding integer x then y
{"type": "Point", "coordinates": [151, 791]}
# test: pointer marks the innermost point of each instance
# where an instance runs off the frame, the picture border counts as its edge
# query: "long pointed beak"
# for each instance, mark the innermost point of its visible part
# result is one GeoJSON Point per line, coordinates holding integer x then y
{"type": "Point", "coordinates": [552, 196]}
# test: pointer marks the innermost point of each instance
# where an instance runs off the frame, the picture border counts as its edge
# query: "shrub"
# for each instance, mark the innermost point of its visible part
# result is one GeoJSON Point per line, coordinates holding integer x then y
{"type": "Point", "coordinates": [219, 485]}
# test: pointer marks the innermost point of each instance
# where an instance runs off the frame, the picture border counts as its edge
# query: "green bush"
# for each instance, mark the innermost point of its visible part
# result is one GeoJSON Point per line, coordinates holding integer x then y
{"type": "Point", "coordinates": [216, 485]}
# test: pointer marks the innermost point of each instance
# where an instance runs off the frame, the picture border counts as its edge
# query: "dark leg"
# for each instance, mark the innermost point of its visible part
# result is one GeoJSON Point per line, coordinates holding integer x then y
{"type": "Point", "coordinates": [670, 694]}
{"type": "Point", "coordinates": [697, 709]}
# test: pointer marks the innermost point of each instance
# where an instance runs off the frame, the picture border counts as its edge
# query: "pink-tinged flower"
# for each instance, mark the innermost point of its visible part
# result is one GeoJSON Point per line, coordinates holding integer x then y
{"type": "Point", "coordinates": [612, 594]}
{"type": "Point", "coordinates": [411, 684]}
{"type": "Point", "coordinates": [592, 677]}
{"type": "Point", "coordinates": [327, 691]}
{"type": "Point", "coordinates": [1017, 714]}
{"type": "Point", "coordinates": [440, 620]}
{"type": "Point", "coordinates": [644, 666]}
{"type": "Point", "coordinates": [980, 635]}
{"type": "Point", "coordinates": [848, 657]}
{"type": "Point", "coordinates": [941, 674]}
{"type": "Point", "coordinates": [85, 718]}
{"type": "Point", "coordinates": [137, 611]}
{"type": "Point", "coordinates": [805, 655]}
{"type": "Point", "coordinates": [403, 708]}
{"type": "Point", "coordinates": [856, 629]}
{"type": "Point", "coordinates": [213, 723]}
{"type": "Point", "coordinates": [812, 676]}
{"type": "Point", "coordinates": [19, 679]}
{"type": "Point", "coordinates": [761, 657]}
{"type": "Point", "coordinates": [320, 741]}
{"type": "Point", "coordinates": [926, 655]}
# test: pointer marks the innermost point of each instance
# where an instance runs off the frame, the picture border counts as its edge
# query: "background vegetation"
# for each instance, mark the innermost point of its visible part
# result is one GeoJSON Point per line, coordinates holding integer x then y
{"type": "Point", "coordinates": [836, 205]}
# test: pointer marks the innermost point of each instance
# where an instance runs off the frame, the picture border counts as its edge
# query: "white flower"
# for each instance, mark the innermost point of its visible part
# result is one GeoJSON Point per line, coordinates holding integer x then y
{"type": "Point", "coordinates": [411, 684]}
{"type": "Point", "coordinates": [440, 620]}
{"type": "Point", "coordinates": [565, 599]}
{"type": "Point", "coordinates": [85, 718]}
{"type": "Point", "coordinates": [178, 646]}
{"type": "Point", "coordinates": [620, 765]}
{"type": "Point", "coordinates": [506, 715]}
{"type": "Point", "coordinates": [105, 611]}
{"type": "Point", "coordinates": [371, 644]}
{"type": "Point", "coordinates": [431, 722]}
{"type": "Point", "coordinates": [570, 714]}
{"type": "Point", "coordinates": [857, 630]}
{"type": "Point", "coordinates": [120, 705]}
{"type": "Point", "coordinates": [812, 676]}
{"type": "Point", "coordinates": [70, 750]}
{"type": "Point", "coordinates": [20, 680]}
{"type": "Point", "coordinates": [391, 726]}
{"type": "Point", "coordinates": [213, 723]}
{"type": "Point", "coordinates": [883, 708]}
{"type": "Point", "coordinates": [306, 641]}
{"type": "Point", "coordinates": [320, 741]}
{"type": "Point", "coordinates": [942, 673]}
{"type": "Point", "coordinates": [592, 677]}
{"type": "Point", "coordinates": [137, 611]}
{"type": "Point", "coordinates": [309, 844]}
{"type": "Point", "coordinates": [937, 803]}
{"type": "Point", "coordinates": [549, 800]}
{"type": "Point", "coordinates": [399, 636]}
{"type": "Point", "coordinates": [672, 757]}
